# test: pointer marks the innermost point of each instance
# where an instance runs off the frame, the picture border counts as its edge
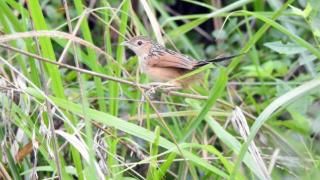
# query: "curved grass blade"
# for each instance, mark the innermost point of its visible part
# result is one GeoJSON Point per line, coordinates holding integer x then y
{"type": "Point", "coordinates": [214, 94]}
{"type": "Point", "coordinates": [131, 129]}
{"type": "Point", "coordinates": [282, 101]}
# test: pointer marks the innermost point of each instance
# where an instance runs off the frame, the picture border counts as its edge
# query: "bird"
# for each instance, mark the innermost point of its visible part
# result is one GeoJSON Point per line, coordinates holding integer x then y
{"type": "Point", "coordinates": [164, 65]}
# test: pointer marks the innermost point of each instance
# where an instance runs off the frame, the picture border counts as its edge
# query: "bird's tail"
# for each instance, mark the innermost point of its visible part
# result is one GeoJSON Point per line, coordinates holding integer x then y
{"type": "Point", "coordinates": [215, 60]}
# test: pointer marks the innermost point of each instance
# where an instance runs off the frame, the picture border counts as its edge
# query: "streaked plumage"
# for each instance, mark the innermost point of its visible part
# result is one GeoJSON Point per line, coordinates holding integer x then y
{"type": "Point", "coordinates": [162, 64]}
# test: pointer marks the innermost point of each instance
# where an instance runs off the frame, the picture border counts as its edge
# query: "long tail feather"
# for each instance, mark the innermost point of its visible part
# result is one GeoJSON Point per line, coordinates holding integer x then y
{"type": "Point", "coordinates": [215, 60]}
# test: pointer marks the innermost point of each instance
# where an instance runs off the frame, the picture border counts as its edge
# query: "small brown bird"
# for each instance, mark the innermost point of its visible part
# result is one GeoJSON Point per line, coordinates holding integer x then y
{"type": "Point", "coordinates": [165, 65]}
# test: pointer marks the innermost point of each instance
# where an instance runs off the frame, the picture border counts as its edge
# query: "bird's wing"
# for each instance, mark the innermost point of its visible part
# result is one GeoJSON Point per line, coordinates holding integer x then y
{"type": "Point", "coordinates": [171, 59]}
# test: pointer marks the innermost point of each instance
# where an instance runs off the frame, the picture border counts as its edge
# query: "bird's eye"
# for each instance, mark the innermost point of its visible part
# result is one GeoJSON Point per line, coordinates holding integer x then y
{"type": "Point", "coordinates": [139, 43]}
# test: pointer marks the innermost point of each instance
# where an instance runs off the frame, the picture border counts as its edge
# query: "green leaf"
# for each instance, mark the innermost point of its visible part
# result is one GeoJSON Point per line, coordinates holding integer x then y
{"type": "Point", "coordinates": [229, 140]}
{"type": "Point", "coordinates": [130, 128]}
{"type": "Point", "coordinates": [300, 41]}
{"type": "Point", "coordinates": [304, 13]}
{"type": "Point", "coordinates": [214, 94]}
{"type": "Point", "coordinates": [288, 48]}
{"type": "Point", "coordinates": [152, 172]}
{"type": "Point", "coordinates": [268, 112]}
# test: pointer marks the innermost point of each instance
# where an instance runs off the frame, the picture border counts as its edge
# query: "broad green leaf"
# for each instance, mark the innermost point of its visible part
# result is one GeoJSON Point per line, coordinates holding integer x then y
{"type": "Point", "coordinates": [288, 48]}
{"type": "Point", "coordinates": [132, 129]}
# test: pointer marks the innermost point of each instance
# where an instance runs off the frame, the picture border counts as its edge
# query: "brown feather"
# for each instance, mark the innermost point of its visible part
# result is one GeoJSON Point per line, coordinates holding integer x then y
{"type": "Point", "coordinates": [168, 60]}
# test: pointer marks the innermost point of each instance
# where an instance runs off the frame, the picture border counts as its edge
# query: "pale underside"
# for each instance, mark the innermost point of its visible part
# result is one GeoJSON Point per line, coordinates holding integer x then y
{"type": "Point", "coordinates": [166, 66]}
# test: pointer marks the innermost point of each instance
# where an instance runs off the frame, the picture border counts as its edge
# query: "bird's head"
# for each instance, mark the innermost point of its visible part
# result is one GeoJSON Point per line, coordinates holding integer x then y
{"type": "Point", "coordinates": [140, 45]}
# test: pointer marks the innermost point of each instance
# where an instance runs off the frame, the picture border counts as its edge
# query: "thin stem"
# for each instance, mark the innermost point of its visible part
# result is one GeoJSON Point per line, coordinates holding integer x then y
{"type": "Point", "coordinates": [48, 105]}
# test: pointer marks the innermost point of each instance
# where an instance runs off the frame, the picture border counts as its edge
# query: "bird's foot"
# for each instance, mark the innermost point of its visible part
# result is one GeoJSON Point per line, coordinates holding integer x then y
{"type": "Point", "coordinates": [156, 85]}
{"type": "Point", "coordinates": [151, 91]}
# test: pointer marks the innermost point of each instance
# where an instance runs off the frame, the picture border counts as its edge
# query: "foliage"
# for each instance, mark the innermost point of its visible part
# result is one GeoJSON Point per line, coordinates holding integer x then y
{"type": "Point", "coordinates": [74, 104]}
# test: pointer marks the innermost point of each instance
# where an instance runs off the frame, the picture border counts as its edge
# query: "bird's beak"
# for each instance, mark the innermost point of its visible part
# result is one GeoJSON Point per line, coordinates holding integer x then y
{"type": "Point", "coordinates": [124, 43]}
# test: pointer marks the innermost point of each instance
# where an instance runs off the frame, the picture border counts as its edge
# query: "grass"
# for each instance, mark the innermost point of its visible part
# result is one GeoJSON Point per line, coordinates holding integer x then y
{"type": "Point", "coordinates": [72, 92]}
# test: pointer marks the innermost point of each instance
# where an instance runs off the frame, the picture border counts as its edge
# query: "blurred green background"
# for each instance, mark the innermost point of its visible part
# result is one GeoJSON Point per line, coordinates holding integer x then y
{"type": "Point", "coordinates": [71, 105]}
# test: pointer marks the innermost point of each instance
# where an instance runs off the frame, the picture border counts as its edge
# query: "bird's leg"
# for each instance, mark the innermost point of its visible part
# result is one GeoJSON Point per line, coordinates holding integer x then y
{"type": "Point", "coordinates": [172, 88]}
{"type": "Point", "coordinates": [155, 85]}
{"type": "Point", "coordinates": [161, 84]}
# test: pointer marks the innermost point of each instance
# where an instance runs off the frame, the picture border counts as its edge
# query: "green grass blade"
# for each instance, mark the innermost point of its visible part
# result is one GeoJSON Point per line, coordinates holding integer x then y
{"type": "Point", "coordinates": [166, 165]}
{"type": "Point", "coordinates": [10, 24]}
{"type": "Point", "coordinates": [282, 29]}
{"type": "Point", "coordinates": [152, 171]}
{"type": "Point", "coordinates": [189, 26]}
{"type": "Point", "coordinates": [114, 86]}
{"type": "Point", "coordinates": [131, 129]}
{"type": "Point", "coordinates": [228, 139]}
{"type": "Point", "coordinates": [252, 41]}
{"type": "Point", "coordinates": [46, 48]}
{"type": "Point", "coordinates": [173, 25]}
{"type": "Point", "coordinates": [269, 110]}
{"type": "Point", "coordinates": [214, 94]}
{"type": "Point", "coordinates": [92, 58]}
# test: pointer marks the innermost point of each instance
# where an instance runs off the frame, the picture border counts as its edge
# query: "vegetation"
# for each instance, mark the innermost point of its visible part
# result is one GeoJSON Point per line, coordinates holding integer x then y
{"type": "Point", "coordinates": [75, 106]}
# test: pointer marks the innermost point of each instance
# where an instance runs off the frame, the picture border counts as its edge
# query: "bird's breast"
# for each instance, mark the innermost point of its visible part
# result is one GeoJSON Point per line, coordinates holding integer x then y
{"type": "Point", "coordinates": [162, 74]}
{"type": "Point", "coordinates": [143, 64]}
